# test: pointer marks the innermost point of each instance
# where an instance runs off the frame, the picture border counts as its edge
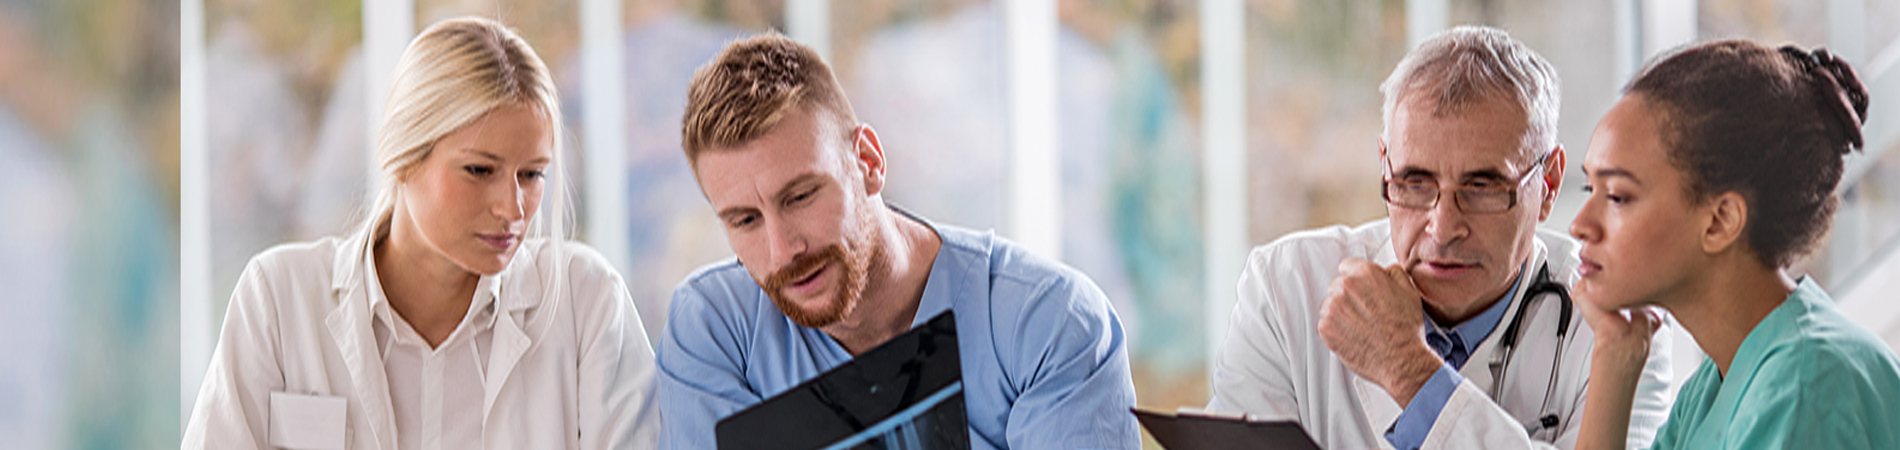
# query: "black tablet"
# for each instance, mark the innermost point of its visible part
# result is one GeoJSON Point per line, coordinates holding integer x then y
{"type": "Point", "coordinates": [1189, 431]}
{"type": "Point", "coordinates": [904, 394]}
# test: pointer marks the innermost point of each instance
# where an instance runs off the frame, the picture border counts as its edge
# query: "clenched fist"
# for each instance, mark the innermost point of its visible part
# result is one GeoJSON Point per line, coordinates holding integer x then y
{"type": "Point", "coordinates": [1373, 320]}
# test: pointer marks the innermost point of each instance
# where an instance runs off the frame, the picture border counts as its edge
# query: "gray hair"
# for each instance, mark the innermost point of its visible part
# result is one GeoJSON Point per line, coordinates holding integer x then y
{"type": "Point", "coordinates": [1464, 65]}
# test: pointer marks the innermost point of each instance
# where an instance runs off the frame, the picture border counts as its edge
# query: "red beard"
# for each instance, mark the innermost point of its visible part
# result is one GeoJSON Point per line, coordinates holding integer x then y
{"type": "Point", "coordinates": [847, 290]}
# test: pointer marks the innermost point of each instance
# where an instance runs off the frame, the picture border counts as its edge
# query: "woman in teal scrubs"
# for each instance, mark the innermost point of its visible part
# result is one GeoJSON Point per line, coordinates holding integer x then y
{"type": "Point", "coordinates": [1707, 181]}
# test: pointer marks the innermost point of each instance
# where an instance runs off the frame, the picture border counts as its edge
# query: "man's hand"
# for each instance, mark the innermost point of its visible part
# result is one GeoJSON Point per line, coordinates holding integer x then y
{"type": "Point", "coordinates": [1372, 320]}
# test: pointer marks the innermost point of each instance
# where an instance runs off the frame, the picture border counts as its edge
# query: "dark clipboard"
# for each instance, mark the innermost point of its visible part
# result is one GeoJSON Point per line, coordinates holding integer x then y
{"type": "Point", "coordinates": [1188, 431]}
{"type": "Point", "coordinates": [905, 394]}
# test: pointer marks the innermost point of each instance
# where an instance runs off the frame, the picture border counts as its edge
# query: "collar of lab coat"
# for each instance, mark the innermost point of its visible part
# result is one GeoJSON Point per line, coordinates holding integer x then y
{"type": "Point", "coordinates": [350, 325]}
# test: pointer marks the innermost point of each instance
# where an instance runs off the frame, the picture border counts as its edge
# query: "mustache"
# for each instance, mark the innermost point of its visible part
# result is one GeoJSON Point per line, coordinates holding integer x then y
{"type": "Point", "coordinates": [803, 265]}
{"type": "Point", "coordinates": [1446, 252]}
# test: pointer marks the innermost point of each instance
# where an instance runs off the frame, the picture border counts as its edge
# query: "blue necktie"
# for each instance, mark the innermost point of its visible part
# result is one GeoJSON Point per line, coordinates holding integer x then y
{"type": "Point", "coordinates": [1450, 347]}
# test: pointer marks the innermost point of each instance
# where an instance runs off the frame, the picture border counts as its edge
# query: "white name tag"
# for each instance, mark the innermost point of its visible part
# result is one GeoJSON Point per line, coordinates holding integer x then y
{"type": "Point", "coordinates": [306, 422]}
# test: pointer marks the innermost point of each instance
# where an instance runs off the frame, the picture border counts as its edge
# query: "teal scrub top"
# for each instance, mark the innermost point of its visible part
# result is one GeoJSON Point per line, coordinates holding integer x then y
{"type": "Point", "coordinates": [1806, 377]}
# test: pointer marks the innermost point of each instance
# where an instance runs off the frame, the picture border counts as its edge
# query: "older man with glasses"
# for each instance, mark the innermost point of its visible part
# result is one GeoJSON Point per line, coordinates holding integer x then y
{"type": "Point", "coordinates": [1449, 324]}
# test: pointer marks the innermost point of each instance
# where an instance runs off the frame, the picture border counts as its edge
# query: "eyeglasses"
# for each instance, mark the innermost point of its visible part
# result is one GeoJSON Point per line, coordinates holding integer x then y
{"type": "Point", "coordinates": [1470, 199]}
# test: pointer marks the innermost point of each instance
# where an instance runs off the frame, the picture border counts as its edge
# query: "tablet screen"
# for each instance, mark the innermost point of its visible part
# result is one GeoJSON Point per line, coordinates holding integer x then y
{"type": "Point", "coordinates": [904, 394]}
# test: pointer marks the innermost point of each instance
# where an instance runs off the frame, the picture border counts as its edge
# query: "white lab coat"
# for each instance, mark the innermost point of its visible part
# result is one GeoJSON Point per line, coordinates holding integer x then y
{"type": "Point", "coordinates": [571, 372]}
{"type": "Point", "coordinates": [1273, 364]}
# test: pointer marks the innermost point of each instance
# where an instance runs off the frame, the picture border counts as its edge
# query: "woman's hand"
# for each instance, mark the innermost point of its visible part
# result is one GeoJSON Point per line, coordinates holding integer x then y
{"type": "Point", "coordinates": [1622, 336]}
{"type": "Point", "coordinates": [1616, 365]}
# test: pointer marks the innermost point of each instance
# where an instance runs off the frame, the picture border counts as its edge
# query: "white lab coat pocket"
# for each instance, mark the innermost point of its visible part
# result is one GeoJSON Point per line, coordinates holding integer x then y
{"type": "Point", "coordinates": [306, 422]}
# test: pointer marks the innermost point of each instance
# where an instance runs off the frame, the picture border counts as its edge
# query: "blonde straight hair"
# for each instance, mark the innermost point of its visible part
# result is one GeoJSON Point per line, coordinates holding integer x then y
{"type": "Point", "coordinates": [453, 73]}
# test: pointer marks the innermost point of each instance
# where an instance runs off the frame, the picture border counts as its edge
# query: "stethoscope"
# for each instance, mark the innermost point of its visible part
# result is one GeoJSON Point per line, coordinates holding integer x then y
{"type": "Point", "coordinates": [1540, 284]}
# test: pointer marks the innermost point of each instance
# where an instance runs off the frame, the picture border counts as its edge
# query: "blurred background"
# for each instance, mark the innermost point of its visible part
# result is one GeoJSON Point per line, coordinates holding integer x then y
{"type": "Point", "coordinates": [89, 152]}
{"type": "Point", "coordinates": [152, 147]}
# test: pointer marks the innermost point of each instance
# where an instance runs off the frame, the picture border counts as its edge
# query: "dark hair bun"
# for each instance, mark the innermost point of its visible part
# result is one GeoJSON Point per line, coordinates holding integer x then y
{"type": "Point", "coordinates": [1836, 80]}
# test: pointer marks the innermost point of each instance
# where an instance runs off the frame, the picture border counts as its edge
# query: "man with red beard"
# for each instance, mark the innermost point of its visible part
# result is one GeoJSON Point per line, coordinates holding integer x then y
{"type": "Point", "coordinates": [827, 271]}
{"type": "Point", "coordinates": [1446, 325]}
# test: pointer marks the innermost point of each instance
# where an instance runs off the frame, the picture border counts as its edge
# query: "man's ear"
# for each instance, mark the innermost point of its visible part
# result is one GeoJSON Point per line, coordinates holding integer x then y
{"type": "Point", "coordinates": [1725, 216]}
{"type": "Point", "coordinates": [1553, 180]}
{"type": "Point", "coordinates": [869, 158]}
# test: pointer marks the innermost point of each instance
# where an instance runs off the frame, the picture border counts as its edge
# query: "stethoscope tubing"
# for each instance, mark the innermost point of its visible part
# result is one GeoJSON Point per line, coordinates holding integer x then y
{"type": "Point", "coordinates": [1541, 285]}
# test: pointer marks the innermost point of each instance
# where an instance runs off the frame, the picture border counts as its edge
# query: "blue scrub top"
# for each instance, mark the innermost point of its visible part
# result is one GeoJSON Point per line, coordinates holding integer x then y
{"type": "Point", "coordinates": [1045, 363]}
{"type": "Point", "coordinates": [1806, 377]}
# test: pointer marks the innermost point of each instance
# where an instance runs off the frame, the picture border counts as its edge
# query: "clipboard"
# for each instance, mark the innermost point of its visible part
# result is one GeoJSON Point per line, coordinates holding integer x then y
{"type": "Point", "coordinates": [1191, 431]}
{"type": "Point", "coordinates": [906, 394]}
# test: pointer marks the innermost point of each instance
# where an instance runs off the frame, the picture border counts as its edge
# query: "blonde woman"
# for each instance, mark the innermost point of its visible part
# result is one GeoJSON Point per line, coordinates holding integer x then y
{"type": "Point", "coordinates": [458, 316]}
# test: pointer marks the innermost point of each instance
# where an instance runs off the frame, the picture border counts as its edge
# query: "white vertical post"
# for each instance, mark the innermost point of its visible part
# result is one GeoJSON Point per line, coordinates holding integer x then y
{"type": "Point", "coordinates": [1223, 160]}
{"type": "Point", "coordinates": [1035, 218]}
{"type": "Point", "coordinates": [1667, 24]}
{"type": "Point", "coordinates": [1627, 53]}
{"type": "Point", "coordinates": [1424, 19]}
{"type": "Point", "coordinates": [194, 210]}
{"type": "Point", "coordinates": [604, 79]}
{"type": "Point", "coordinates": [388, 25]}
{"type": "Point", "coordinates": [809, 23]}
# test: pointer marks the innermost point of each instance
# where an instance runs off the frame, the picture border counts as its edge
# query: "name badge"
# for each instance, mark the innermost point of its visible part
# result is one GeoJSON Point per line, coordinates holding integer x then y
{"type": "Point", "coordinates": [306, 422]}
